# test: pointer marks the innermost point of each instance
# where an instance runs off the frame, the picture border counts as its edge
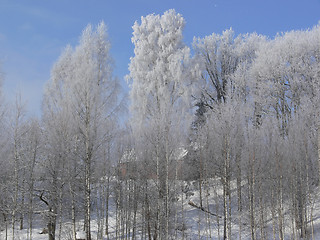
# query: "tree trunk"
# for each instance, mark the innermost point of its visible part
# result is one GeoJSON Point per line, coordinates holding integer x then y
{"type": "Point", "coordinates": [30, 212]}
{"type": "Point", "coordinates": [99, 202]}
{"type": "Point", "coordinates": [226, 191]}
{"type": "Point", "coordinates": [280, 219]}
{"type": "Point", "coordinates": [252, 196]}
{"type": "Point", "coordinates": [208, 207]}
{"type": "Point", "coordinates": [32, 180]}
{"type": "Point", "coordinates": [87, 202]}
{"type": "Point", "coordinates": [117, 214]}
{"type": "Point", "coordinates": [318, 131]}
{"type": "Point", "coordinates": [280, 197]}
{"type": "Point", "coordinates": [273, 214]}
{"type": "Point", "coordinates": [239, 189]}
{"type": "Point", "coordinates": [60, 212]}
{"type": "Point", "coordinates": [160, 190]}
{"type": "Point", "coordinates": [311, 219]}
{"type": "Point", "coordinates": [6, 225]}
{"type": "Point", "coordinates": [107, 206]}
{"type": "Point", "coordinates": [52, 225]}
{"type": "Point", "coordinates": [135, 209]}
{"type": "Point", "coordinates": [73, 212]}
{"type": "Point", "coordinates": [200, 179]}
{"type": "Point", "coordinates": [182, 212]}
{"type": "Point", "coordinates": [22, 201]}
{"type": "Point", "coordinates": [217, 202]}
{"type": "Point", "coordinates": [88, 191]}
{"type": "Point", "coordinates": [261, 210]}
{"type": "Point", "coordinates": [167, 188]}
{"type": "Point", "coordinates": [16, 188]}
{"type": "Point", "coordinates": [225, 214]}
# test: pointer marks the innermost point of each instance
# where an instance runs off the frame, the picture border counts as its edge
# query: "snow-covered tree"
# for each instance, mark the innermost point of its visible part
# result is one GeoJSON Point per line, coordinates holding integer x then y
{"type": "Point", "coordinates": [223, 62]}
{"type": "Point", "coordinates": [80, 101]}
{"type": "Point", "coordinates": [160, 98]}
{"type": "Point", "coordinates": [284, 72]}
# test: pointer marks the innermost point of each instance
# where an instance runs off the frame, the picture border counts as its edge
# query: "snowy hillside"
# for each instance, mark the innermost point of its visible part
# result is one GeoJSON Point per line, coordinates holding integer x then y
{"type": "Point", "coordinates": [191, 221]}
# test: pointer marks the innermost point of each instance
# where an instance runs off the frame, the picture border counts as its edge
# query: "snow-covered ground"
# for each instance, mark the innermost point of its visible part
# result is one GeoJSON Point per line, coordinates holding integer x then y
{"type": "Point", "coordinates": [194, 223]}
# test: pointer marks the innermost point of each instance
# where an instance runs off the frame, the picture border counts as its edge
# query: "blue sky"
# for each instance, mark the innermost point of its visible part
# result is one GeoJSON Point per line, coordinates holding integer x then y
{"type": "Point", "coordinates": [33, 33]}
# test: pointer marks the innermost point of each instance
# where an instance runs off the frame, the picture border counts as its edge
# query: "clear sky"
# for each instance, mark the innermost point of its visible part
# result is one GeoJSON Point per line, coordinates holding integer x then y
{"type": "Point", "coordinates": [33, 33]}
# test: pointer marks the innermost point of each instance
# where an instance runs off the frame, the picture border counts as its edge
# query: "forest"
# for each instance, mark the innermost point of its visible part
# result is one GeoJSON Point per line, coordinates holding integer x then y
{"type": "Point", "coordinates": [218, 140]}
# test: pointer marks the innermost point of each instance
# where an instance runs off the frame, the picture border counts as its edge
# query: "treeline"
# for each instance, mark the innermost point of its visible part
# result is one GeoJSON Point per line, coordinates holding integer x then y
{"type": "Point", "coordinates": [239, 117]}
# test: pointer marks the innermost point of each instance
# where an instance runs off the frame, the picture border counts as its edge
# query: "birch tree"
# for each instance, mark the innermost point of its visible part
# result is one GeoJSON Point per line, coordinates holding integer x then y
{"type": "Point", "coordinates": [94, 100]}
{"type": "Point", "coordinates": [159, 98]}
{"type": "Point", "coordinates": [17, 132]}
{"type": "Point", "coordinates": [5, 169]}
{"type": "Point", "coordinates": [85, 98]}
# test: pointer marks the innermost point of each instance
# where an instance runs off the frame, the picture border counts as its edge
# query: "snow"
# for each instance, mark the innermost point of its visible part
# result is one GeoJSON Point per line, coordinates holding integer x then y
{"type": "Point", "coordinates": [194, 222]}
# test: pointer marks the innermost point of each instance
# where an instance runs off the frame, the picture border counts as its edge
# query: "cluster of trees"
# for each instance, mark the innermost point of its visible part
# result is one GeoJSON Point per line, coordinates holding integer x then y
{"type": "Point", "coordinates": [254, 126]}
{"type": "Point", "coordinates": [257, 125]}
{"type": "Point", "coordinates": [240, 116]}
{"type": "Point", "coordinates": [53, 167]}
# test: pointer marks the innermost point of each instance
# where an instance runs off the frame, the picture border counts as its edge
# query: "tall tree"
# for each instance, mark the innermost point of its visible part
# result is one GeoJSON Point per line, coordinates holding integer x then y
{"type": "Point", "coordinates": [94, 98]}
{"type": "Point", "coordinates": [85, 93]}
{"type": "Point", "coordinates": [159, 98]}
{"type": "Point", "coordinates": [17, 132]}
{"type": "Point", "coordinates": [5, 168]}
